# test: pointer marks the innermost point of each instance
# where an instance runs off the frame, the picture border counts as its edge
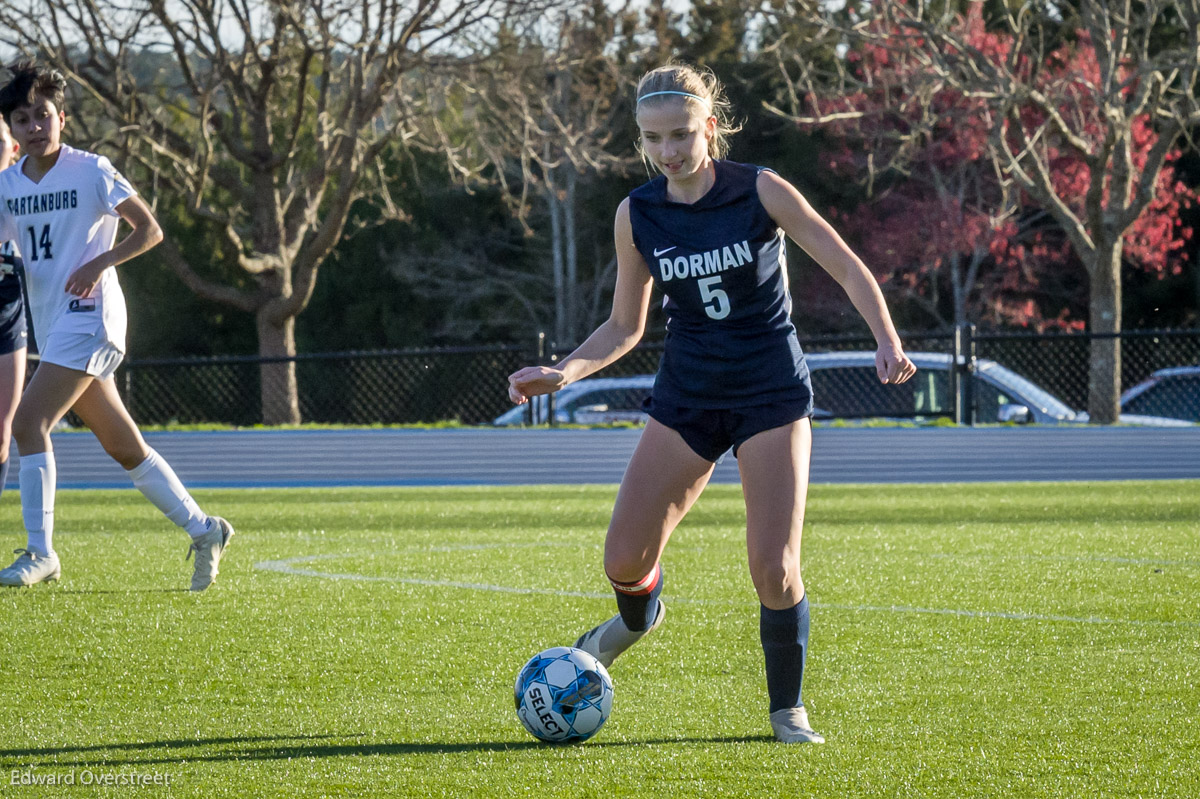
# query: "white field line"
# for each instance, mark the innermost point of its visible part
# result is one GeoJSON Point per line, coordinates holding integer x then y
{"type": "Point", "coordinates": [291, 566]}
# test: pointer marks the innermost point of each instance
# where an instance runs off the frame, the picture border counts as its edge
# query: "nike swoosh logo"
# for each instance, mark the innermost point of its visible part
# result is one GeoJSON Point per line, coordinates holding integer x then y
{"type": "Point", "coordinates": [658, 252]}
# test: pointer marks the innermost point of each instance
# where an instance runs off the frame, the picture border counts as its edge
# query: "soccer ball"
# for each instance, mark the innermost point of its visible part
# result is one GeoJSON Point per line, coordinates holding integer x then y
{"type": "Point", "coordinates": [563, 695]}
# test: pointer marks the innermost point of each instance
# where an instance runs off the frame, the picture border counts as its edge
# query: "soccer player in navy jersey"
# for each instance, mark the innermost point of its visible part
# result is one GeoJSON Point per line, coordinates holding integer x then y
{"type": "Point", "coordinates": [710, 234]}
{"type": "Point", "coordinates": [63, 207]}
{"type": "Point", "coordinates": [14, 337]}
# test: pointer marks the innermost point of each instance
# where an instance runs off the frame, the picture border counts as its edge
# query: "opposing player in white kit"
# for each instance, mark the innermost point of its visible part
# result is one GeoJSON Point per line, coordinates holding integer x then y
{"type": "Point", "coordinates": [63, 206]}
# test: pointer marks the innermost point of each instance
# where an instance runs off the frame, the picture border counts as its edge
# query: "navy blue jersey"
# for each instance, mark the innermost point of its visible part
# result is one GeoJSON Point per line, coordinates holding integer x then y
{"type": "Point", "coordinates": [722, 267]}
{"type": "Point", "coordinates": [13, 329]}
{"type": "Point", "coordinates": [10, 284]}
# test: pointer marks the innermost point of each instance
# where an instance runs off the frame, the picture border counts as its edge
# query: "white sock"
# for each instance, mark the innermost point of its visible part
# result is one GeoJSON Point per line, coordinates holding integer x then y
{"type": "Point", "coordinates": [38, 476]}
{"type": "Point", "coordinates": [157, 481]}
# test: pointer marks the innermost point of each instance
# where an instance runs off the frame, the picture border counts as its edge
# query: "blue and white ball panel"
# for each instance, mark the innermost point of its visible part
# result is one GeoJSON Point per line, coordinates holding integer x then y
{"type": "Point", "coordinates": [563, 694]}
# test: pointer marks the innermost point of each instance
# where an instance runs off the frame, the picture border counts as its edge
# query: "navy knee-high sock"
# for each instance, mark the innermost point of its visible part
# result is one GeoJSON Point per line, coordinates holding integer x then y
{"type": "Point", "coordinates": [4, 474]}
{"type": "Point", "coordinates": [638, 602]}
{"type": "Point", "coordinates": [784, 635]}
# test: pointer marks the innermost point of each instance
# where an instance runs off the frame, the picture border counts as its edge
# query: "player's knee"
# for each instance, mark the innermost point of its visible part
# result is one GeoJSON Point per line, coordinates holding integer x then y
{"type": "Point", "coordinates": [637, 599]}
{"type": "Point", "coordinates": [774, 572]}
{"type": "Point", "coordinates": [126, 447]}
{"type": "Point", "coordinates": [128, 456]}
{"type": "Point", "coordinates": [30, 430]}
{"type": "Point", "coordinates": [128, 451]}
{"type": "Point", "coordinates": [627, 567]}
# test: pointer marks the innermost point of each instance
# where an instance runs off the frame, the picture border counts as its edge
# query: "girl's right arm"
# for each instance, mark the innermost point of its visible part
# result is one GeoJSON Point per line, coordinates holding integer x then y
{"type": "Point", "coordinates": [617, 336]}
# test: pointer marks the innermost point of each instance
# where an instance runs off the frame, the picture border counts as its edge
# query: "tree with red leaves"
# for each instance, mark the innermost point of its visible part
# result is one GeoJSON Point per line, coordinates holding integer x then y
{"type": "Point", "coordinates": [1077, 116]}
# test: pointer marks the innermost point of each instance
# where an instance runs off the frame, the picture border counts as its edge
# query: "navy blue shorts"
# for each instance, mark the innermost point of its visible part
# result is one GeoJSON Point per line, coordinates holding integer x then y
{"type": "Point", "coordinates": [13, 335]}
{"type": "Point", "coordinates": [710, 432]}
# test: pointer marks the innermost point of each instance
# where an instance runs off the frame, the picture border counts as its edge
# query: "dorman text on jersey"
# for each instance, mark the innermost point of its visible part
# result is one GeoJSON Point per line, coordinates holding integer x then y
{"type": "Point", "coordinates": [705, 263]}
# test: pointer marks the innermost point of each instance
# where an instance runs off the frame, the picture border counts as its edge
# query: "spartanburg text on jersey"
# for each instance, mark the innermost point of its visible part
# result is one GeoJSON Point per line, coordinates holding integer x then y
{"type": "Point", "coordinates": [721, 264]}
{"type": "Point", "coordinates": [59, 224]}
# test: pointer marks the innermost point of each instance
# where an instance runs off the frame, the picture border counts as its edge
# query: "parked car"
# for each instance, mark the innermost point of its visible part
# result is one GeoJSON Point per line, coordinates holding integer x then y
{"type": "Point", "coordinates": [593, 400]}
{"type": "Point", "coordinates": [846, 387]}
{"type": "Point", "coordinates": [1173, 393]}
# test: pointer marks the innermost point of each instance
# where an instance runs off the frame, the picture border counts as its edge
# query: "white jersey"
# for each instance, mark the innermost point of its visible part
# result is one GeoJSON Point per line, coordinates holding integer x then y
{"type": "Point", "coordinates": [58, 225]}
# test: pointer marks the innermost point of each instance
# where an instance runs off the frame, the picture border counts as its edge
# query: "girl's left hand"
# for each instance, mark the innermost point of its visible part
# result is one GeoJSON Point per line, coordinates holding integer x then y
{"type": "Point", "coordinates": [84, 280]}
{"type": "Point", "coordinates": [892, 365]}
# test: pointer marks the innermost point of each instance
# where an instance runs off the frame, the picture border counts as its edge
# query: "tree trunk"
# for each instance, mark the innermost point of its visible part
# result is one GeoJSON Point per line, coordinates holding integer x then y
{"type": "Point", "coordinates": [958, 287]}
{"type": "Point", "coordinates": [1196, 282]}
{"type": "Point", "coordinates": [1104, 364]}
{"type": "Point", "coordinates": [572, 242]}
{"type": "Point", "coordinates": [557, 258]}
{"type": "Point", "coordinates": [280, 394]}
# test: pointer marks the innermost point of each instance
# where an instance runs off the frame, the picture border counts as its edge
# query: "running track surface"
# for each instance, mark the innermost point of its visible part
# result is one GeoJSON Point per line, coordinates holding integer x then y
{"type": "Point", "coordinates": [249, 459]}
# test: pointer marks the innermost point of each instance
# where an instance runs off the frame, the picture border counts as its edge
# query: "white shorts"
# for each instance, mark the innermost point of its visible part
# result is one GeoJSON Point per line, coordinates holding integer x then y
{"type": "Point", "coordinates": [83, 352]}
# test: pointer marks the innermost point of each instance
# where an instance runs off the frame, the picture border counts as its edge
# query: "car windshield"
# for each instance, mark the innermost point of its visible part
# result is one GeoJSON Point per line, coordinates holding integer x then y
{"type": "Point", "coordinates": [610, 398]}
{"type": "Point", "coordinates": [854, 392]}
{"type": "Point", "coordinates": [846, 387]}
{"type": "Point", "coordinates": [1174, 396]}
{"type": "Point", "coordinates": [1030, 392]}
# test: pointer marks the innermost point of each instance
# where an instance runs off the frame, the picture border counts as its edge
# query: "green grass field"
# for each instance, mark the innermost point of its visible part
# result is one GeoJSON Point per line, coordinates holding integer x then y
{"type": "Point", "coordinates": [1018, 640]}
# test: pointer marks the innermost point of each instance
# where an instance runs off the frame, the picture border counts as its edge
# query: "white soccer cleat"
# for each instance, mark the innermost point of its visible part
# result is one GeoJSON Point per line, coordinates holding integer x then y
{"type": "Point", "coordinates": [208, 550]}
{"type": "Point", "coordinates": [790, 726]}
{"type": "Point", "coordinates": [31, 568]}
{"type": "Point", "coordinates": [611, 638]}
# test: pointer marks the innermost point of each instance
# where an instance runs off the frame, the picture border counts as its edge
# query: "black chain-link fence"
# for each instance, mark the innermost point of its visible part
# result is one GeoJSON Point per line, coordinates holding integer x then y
{"type": "Point", "coordinates": [380, 387]}
{"type": "Point", "coordinates": [467, 384]}
{"type": "Point", "coordinates": [1059, 363]}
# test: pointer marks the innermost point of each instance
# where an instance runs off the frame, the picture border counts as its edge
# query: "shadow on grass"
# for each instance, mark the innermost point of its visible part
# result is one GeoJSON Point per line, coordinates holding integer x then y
{"type": "Point", "coordinates": [267, 748]}
{"type": "Point", "coordinates": [126, 591]}
{"type": "Point", "coordinates": [177, 744]}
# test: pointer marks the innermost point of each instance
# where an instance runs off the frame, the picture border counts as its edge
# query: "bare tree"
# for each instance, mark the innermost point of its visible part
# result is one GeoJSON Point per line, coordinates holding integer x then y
{"type": "Point", "coordinates": [549, 106]}
{"type": "Point", "coordinates": [265, 118]}
{"type": "Point", "coordinates": [1092, 79]}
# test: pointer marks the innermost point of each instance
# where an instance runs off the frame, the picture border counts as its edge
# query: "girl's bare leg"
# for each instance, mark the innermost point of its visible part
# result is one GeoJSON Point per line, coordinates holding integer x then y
{"type": "Point", "coordinates": [662, 481]}
{"type": "Point", "coordinates": [774, 468]}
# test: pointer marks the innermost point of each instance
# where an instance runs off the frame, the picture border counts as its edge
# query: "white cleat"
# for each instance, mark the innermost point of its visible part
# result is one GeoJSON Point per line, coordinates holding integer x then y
{"type": "Point", "coordinates": [31, 568]}
{"type": "Point", "coordinates": [611, 638]}
{"type": "Point", "coordinates": [790, 726]}
{"type": "Point", "coordinates": [208, 550]}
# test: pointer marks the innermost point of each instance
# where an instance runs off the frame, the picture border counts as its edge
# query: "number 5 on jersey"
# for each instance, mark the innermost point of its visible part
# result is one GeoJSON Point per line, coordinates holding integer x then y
{"type": "Point", "coordinates": [716, 301]}
{"type": "Point", "coordinates": [42, 241]}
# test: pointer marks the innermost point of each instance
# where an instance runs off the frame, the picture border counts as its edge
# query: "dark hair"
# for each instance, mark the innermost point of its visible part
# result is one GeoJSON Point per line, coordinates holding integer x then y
{"type": "Point", "coordinates": [31, 80]}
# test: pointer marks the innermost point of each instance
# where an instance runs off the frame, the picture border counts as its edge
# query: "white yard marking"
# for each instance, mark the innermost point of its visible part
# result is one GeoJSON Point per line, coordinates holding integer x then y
{"type": "Point", "coordinates": [293, 566]}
